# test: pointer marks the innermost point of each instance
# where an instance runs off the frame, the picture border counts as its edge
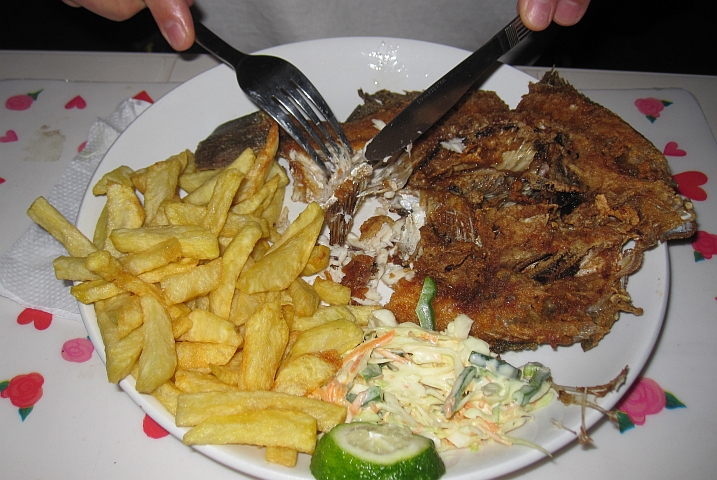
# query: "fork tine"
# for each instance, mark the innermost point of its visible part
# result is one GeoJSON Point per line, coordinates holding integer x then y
{"type": "Point", "coordinates": [305, 102]}
{"type": "Point", "coordinates": [313, 94]}
{"type": "Point", "coordinates": [306, 117]}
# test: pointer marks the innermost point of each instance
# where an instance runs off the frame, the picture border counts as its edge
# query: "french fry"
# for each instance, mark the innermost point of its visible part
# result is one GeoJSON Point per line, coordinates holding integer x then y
{"type": "Point", "coordinates": [331, 292]}
{"type": "Point", "coordinates": [119, 175]}
{"type": "Point", "coordinates": [304, 298]}
{"type": "Point", "coordinates": [154, 257]}
{"type": "Point", "coordinates": [181, 266]}
{"type": "Point", "coordinates": [94, 290]}
{"type": "Point", "coordinates": [252, 204]}
{"type": "Point", "coordinates": [244, 305]}
{"type": "Point", "coordinates": [99, 236]}
{"type": "Point", "coordinates": [196, 241]}
{"type": "Point", "coordinates": [188, 381]}
{"type": "Point", "coordinates": [256, 177]}
{"type": "Point", "coordinates": [47, 216]}
{"type": "Point", "coordinates": [126, 312]}
{"type": "Point", "coordinates": [190, 181]}
{"type": "Point", "coordinates": [196, 407]}
{"type": "Point", "coordinates": [72, 268]}
{"type": "Point", "coordinates": [197, 282]}
{"type": "Point", "coordinates": [303, 374]}
{"type": "Point", "coordinates": [236, 222]}
{"type": "Point", "coordinates": [161, 183]}
{"type": "Point", "coordinates": [158, 359]}
{"type": "Point", "coordinates": [280, 266]}
{"type": "Point", "coordinates": [282, 428]}
{"type": "Point", "coordinates": [318, 260]}
{"type": "Point", "coordinates": [167, 395]}
{"type": "Point", "coordinates": [123, 211]}
{"type": "Point", "coordinates": [221, 200]}
{"type": "Point", "coordinates": [340, 335]}
{"type": "Point", "coordinates": [324, 314]}
{"type": "Point", "coordinates": [121, 354]}
{"type": "Point", "coordinates": [265, 338]}
{"type": "Point", "coordinates": [182, 213]}
{"type": "Point", "coordinates": [207, 327]}
{"type": "Point", "coordinates": [111, 270]}
{"type": "Point", "coordinates": [233, 260]}
{"type": "Point", "coordinates": [199, 355]}
{"type": "Point", "coordinates": [201, 195]}
{"type": "Point", "coordinates": [284, 456]}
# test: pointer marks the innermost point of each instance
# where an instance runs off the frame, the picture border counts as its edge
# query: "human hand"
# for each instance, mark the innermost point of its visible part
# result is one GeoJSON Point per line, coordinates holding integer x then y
{"type": "Point", "coordinates": [537, 14]}
{"type": "Point", "coordinates": [172, 16]}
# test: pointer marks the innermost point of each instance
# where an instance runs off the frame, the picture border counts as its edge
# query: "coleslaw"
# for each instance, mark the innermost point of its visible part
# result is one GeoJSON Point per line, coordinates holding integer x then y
{"type": "Point", "coordinates": [446, 386]}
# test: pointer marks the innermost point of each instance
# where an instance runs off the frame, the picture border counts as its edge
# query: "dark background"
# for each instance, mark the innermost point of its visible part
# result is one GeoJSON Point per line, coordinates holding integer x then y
{"type": "Point", "coordinates": [669, 36]}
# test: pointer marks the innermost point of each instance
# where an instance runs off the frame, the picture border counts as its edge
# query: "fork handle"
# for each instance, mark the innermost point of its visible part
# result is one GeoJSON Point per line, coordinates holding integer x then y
{"type": "Point", "coordinates": [218, 47]}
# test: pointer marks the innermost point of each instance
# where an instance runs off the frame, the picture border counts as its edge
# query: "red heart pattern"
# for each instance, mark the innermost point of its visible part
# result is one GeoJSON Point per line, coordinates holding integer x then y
{"type": "Point", "coordinates": [10, 136]}
{"type": "Point", "coordinates": [144, 96]}
{"type": "Point", "coordinates": [672, 150]}
{"type": "Point", "coordinates": [688, 184]}
{"type": "Point", "coordinates": [77, 102]}
{"type": "Point", "coordinates": [41, 319]}
{"type": "Point", "coordinates": [152, 429]}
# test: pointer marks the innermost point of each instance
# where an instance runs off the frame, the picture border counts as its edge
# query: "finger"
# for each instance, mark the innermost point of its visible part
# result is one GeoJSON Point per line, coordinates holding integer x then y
{"type": "Point", "coordinates": [537, 14]}
{"type": "Point", "coordinates": [175, 21]}
{"type": "Point", "coordinates": [116, 10]}
{"type": "Point", "coordinates": [569, 12]}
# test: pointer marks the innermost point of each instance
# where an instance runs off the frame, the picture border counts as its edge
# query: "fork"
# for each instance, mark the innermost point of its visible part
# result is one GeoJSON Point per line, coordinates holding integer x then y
{"type": "Point", "coordinates": [284, 92]}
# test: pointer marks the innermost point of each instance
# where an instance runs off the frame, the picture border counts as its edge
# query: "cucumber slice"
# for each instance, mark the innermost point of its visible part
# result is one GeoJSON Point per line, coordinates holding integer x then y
{"type": "Point", "coordinates": [377, 452]}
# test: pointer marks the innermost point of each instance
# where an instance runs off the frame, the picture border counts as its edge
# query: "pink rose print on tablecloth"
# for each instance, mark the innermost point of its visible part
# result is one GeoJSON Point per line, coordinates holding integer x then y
{"type": "Point", "coordinates": [21, 102]}
{"type": "Point", "coordinates": [24, 391]}
{"type": "Point", "coordinates": [77, 350]}
{"type": "Point", "coordinates": [651, 107]}
{"type": "Point", "coordinates": [42, 320]}
{"type": "Point", "coordinates": [705, 245]}
{"type": "Point", "coordinates": [152, 429]}
{"type": "Point", "coordinates": [77, 102]}
{"type": "Point", "coordinates": [645, 398]}
{"type": "Point", "coordinates": [9, 137]}
{"type": "Point", "coordinates": [688, 184]}
{"type": "Point", "coordinates": [673, 150]}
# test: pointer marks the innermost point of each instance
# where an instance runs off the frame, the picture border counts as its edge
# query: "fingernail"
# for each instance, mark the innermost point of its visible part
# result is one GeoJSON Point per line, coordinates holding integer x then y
{"type": "Point", "coordinates": [568, 13]}
{"type": "Point", "coordinates": [174, 33]}
{"type": "Point", "coordinates": [539, 13]}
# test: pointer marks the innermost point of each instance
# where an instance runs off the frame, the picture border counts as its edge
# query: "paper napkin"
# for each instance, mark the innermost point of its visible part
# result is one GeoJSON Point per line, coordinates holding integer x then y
{"type": "Point", "coordinates": [26, 273]}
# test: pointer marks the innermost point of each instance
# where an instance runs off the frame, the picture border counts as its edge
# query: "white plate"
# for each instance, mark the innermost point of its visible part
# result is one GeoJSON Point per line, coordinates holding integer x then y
{"type": "Point", "coordinates": [339, 67]}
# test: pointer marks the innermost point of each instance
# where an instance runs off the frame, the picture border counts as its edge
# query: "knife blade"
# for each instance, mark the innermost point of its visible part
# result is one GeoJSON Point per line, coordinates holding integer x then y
{"type": "Point", "coordinates": [435, 101]}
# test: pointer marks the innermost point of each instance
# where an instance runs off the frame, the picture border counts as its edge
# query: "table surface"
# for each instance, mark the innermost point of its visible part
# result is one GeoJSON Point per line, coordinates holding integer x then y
{"type": "Point", "coordinates": [83, 427]}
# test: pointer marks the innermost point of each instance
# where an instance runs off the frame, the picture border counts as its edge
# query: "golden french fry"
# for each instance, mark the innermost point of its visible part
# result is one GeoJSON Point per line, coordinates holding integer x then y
{"type": "Point", "coordinates": [94, 290]}
{"type": "Point", "coordinates": [121, 354]}
{"type": "Point", "coordinates": [280, 266]}
{"type": "Point", "coordinates": [202, 194]}
{"type": "Point", "coordinates": [154, 257]}
{"type": "Point", "coordinates": [111, 270]}
{"type": "Point", "coordinates": [119, 175]}
{"type": "Point", "coordinates": [233, 260]}
{"type": "Point", "coordinates": [303, 374]}
{"type": "Point", "coordinates": [196, 241]}
{"type": "Point", "coordinates": [167, 395]}
{"type": "Point", "coordinates": [193, 408]}
{"type": "Point", "coordinates": [340, 335]}
{"type": "Point", "coordinates": [181, 266]}
{"type": "Point", "coordinates": [161, 183]}
{"type": "Point", "coordinates": [252, 204]}
{"type": "Point", "coordinates": [284, 456]}
{"type": "Point", "coordinates": [244, 305]}
{"type": "Point", "coordinates": [207, 327]}
{"type": "Point", "coordinates": [190, 181]}
{"type": "Point", "coordinates": [260, 249]}
{"type": "Point", "coordinates": [283, 428]}
{"type": "Point", "coordinates": [139, 179]}
{"type": "Point", "coordinates": [189, 381]}
{"type": "Point", "coordinates": [265, 338]}
{"type": "Point", "coordinates": [182, 213]}
{"type": "Point", "coordinates": [304, 298]}
{"type": "Point", "coordinates": [362, 313]}
{"type": "Point", "coordinates": [324, 314]}
{"type": "Point", "coordinates": [199, 355]}
{"type": "Point", "coordinates": [72, 268]}
{"type": "Point", "coordinates": [273, 210]}
{"type": "Point", "coordinates": [318, 260]}
{"type": "Point", "coordinates": [99, 236]}
{"type": "Point", "coordinates": [197, 282]}
{"type": "Point", "coordinates": [158, 359]}
{"type": "Point", "coordinates": [180, 325]}
{"type": "Point", "coordinates": [123, 211]}
{"type": "Point", "coordinates": [126, 312]}
{"type": "Point", "coordinates": [256, 177]}
{"type": "Point", "coordinates": [236, 222]}
{"type": "Point", "coordinates": [47, 216]}
{"type": "Point", "coordinates": [218, 207]}
{"type": "Point", "coordinates": [331, 292]}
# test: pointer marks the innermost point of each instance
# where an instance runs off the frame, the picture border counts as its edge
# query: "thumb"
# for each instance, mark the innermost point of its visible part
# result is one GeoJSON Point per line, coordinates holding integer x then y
{"type": "Point", "coordinates": [174, 20]}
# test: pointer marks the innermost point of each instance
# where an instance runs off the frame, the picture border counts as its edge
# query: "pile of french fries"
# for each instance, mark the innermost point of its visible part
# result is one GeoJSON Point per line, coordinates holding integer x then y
{"type": "Point", "coordinates": [203, 297]}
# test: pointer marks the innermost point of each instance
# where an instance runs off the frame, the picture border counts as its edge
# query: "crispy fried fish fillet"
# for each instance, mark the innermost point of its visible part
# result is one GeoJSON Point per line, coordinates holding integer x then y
{"type": "Point", "coordinates": [536, 216]}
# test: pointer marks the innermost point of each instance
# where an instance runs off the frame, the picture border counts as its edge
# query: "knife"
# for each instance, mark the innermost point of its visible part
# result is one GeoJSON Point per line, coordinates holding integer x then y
{"type": "Point", "coordinates": [433, 103]}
